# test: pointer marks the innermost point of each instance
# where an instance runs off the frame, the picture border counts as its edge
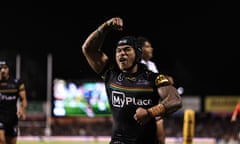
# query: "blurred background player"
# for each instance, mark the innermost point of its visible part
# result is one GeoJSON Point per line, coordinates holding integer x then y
{"type": "Point", "coordinates": [234, 120]}
{"type": "Point", "coordinates": [147, 54]}
{"type": "Point", "coordinates": [235, 113]}
{"type": "Point", "coordinates": [11, 90]}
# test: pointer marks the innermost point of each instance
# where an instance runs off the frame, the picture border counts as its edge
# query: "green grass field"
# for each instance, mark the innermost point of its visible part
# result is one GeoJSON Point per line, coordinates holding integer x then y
{"type": "Point", "coordinates": [58, 142]}
{"type": "Point", "coordinates": [99, 140]}
{"type": "Point", "coordinates": [71, 142]}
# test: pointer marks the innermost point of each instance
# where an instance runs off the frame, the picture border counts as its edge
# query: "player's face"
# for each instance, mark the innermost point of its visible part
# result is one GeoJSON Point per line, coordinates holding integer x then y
{"type": "Point", "coordinates": [147, 51]}
{"type": "Point", "coordinates": [4, 71]}
{"type": "Point", "coordinates": [125, 56]}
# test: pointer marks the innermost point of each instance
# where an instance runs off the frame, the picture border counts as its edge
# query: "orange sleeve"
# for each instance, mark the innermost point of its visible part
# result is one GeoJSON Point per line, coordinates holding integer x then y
{"type": "Point", "coordinates": [237, 109]}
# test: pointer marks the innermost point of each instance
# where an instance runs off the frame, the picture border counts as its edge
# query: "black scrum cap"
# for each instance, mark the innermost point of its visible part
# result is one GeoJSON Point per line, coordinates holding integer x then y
{"type": "Point", "coordinates": [132, 41]}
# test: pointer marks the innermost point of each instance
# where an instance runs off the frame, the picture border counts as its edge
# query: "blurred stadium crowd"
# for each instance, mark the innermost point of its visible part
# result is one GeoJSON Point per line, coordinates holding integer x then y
{"type": "Point", "coordinates": [206, 126]}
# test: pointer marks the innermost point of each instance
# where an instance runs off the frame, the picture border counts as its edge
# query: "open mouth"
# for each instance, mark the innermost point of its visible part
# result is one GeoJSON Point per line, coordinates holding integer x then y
{"type": "Point", "coordinates": [122, 59]}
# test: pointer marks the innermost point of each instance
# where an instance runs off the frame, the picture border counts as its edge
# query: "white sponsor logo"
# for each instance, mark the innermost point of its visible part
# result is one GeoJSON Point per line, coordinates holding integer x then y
{"type": "Point", "coordinates": [119, 100]}
{"type": "Point", "coordinates": [7, 98]}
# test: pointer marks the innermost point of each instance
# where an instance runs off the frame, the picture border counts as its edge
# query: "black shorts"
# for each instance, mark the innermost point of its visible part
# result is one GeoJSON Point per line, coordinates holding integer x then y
{"type": "Point", "coordinates": [10, 130]}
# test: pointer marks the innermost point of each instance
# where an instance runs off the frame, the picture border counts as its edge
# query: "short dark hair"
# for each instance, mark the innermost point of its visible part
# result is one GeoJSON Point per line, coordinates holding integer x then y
{"type": "Point", "coordinates": [141, 40]}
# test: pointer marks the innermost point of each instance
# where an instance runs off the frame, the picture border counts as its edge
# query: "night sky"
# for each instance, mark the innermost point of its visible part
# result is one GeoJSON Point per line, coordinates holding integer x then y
{"type": "Point", "coordinates": [195, 42]}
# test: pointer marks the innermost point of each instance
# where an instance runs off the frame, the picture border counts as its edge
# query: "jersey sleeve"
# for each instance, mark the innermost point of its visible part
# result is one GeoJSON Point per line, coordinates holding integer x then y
{"type": "Point", "coordinates": [161, 80]}
{"type": "Point", "coordinates": [21, 85]}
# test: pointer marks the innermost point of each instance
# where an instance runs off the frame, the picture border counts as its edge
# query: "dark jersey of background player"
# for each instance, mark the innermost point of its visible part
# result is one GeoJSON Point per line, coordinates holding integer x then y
{"type": "Point", "coordinates": [11, 90]}
{"type": "Point", "coordinates": [133, 91]}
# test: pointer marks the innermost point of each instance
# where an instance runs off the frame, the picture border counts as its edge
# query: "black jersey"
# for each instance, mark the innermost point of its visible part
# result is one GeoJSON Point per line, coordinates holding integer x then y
{"type": "Point", "coordinates": [9, 94]}
{"type": "Point", "coordinates": [127, 92]}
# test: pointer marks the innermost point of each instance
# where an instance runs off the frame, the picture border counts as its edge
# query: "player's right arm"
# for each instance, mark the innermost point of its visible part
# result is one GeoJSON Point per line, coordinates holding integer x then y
{"type": "Point", "coordinates": [170, 103]}
{"type": "Point", "coordinates": [23, 99]}
{"type": "Point", "coordinates": [92, 45]}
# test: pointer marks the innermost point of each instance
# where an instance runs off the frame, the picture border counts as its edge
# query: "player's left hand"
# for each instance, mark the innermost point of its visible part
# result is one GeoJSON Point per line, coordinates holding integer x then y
{"type": "Point", "coordinates": [21, 114]}
{"type": "Point", "coordinates": [141, 116]}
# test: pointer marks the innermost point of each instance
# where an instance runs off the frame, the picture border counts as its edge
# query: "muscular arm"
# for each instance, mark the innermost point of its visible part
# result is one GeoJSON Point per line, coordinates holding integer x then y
{"type": "Point", "coordinates": [23, 105]}
{"type": "Point", "coordinates": [171, 102]}
{"type": "Point", "coordinates": [92, 46]}
{"type": "Point", "coordinates": [171, 99]}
